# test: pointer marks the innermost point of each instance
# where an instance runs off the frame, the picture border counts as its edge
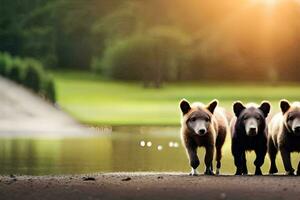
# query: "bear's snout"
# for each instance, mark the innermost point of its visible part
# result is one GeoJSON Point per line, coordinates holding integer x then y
{"type": "Point", "coordinates": [251, 126]}
{"type": "Point", "coordinates": [296, 126]}
{"type": "Point", "coordinates": [297, 130]}
{"type": "Point", "coordinates": [202, 132]}
{"type": "Point", "coordinates": [252, 131]}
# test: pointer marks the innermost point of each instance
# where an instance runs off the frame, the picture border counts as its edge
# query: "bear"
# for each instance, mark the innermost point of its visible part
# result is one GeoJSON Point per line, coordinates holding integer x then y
{"type": "Point", "coordinates": [249, 132]}
{"type": "Point", "coordinates": [284, 136]}
{"type": "Point", "coordinates": [203, 126]}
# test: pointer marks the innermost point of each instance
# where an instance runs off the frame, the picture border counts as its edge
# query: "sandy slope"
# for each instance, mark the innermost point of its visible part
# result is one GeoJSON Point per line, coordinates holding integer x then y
{"type": "Point", "coordinates": [23, 113]}
{"type": "Point", "coordinates": [150, 186]}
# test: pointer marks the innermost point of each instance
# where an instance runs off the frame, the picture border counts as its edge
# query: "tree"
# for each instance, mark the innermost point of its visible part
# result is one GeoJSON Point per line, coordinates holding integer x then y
{"type": "Point", "coordinates": [152, 57]}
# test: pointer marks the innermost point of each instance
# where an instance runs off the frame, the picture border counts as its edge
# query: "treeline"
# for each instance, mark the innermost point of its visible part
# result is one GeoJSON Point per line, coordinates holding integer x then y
{"type": "Point", "coordinates": [157, 40]}
{"type": "Point", "coordinates": [29, 73]}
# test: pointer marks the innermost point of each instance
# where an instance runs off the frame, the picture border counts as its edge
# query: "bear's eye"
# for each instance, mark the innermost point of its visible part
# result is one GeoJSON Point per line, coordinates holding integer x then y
{"type": "Point", "coordinates": [257, 118]}
{"type": "Point", "coordinates": [193, 119]}
{"type": "Point", "coordinates": [207, 119]}
{"type": "Point", "coordinates": [290, 118]}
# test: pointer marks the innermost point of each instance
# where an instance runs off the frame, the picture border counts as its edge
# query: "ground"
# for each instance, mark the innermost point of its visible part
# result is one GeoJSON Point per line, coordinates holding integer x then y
{"type": "Point", "coordinates": [91, 99]}
{"type": "Point", "coordinates": [149, 186]}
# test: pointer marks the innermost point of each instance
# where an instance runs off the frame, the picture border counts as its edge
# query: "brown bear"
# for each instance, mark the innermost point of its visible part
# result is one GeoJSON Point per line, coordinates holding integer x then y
{"type": "Point", "coordinates": [203, 126]}
{"type": "Point", "coordinates": [285, 136]}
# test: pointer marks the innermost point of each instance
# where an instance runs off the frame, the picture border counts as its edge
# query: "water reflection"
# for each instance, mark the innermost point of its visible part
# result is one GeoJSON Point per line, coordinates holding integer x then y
{"type": "Point", "coordinates": [125, 149]}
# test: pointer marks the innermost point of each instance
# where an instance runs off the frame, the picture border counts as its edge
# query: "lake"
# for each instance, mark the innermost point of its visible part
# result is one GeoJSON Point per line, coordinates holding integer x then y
{"type": "Point", "coordinates": [112, 149]}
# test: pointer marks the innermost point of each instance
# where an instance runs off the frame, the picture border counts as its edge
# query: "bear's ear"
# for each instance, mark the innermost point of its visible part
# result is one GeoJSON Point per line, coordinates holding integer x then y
{"type": "Point", "coordinates": [238, 107]}
{"type": "Point", "coordinates": [184, 106]}
{"type": "Point", "coordinates": [265, 107]}
{"type": "Point", "coordinates": [212, 105]}
{"type": "Point", "coordinates": [284, 105]}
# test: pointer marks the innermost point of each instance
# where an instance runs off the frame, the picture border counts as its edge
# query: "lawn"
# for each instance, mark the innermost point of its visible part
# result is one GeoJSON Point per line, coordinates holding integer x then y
{"type": "Point", "coordinates": [94, 100]}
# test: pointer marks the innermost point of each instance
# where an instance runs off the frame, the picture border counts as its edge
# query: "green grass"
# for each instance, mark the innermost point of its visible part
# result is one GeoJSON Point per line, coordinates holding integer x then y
{"type": "Point", "coordinates": [93, 100]}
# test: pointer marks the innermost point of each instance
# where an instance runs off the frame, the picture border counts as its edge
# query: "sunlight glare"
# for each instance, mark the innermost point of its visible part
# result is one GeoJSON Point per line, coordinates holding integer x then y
{"type": "Point", "coordinates": [266, 2]}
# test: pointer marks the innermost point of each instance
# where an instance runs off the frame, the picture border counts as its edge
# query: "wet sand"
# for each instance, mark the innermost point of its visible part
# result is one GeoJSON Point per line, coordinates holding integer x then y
{"type": "Point", "coordinates": [149, 186]}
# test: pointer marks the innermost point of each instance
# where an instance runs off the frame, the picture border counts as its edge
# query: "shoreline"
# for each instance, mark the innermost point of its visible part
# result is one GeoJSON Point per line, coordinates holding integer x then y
{"type": "Point", "coordinates": [148, 185]}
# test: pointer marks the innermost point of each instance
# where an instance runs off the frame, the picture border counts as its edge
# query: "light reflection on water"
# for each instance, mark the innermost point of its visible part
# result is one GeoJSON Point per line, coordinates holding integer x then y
{"type": "Point", "coordinates": [125, 149]}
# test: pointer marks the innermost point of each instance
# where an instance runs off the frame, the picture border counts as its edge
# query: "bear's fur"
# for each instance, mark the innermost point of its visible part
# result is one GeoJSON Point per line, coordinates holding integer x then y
{"type": "Point", "coordinates": [212, 134]}
{"type": "Point", "coordinates": [285, 136]}
{"type": "Point", "coordinates": [249, 132]}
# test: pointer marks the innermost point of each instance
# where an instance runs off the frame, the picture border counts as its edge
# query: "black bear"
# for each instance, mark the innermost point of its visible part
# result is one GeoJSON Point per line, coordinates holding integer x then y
{"type": "Point", "coordinates": [249, 132]}
{"type": "Point", "coordinates": [203, 126]}
{"type": "Point", "coordinates": [285, 136]}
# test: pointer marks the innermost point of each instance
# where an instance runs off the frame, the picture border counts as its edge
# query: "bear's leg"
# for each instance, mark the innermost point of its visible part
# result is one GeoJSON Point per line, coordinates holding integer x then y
{"type": "Point", "coordinates": [272, 150]}
{"type": "Point", "coordinates": [260, 159]}
{"type": "Point", "coordinates": [298, 170]}
{"type": "Point", "coordinates": [194, 160]}
{"type": "Point", "coordinates": [209, 154]}
{"type": "Point", "coordinates": [286, 158]}
{"type": "Point", "coordinates": [244, 164]}
{"type": "Point", "coordinates": [237, 155]}
{"type": "Point", "coordinates": [218, 159]}
{"type": "Point", "coordinates": [219, 144]}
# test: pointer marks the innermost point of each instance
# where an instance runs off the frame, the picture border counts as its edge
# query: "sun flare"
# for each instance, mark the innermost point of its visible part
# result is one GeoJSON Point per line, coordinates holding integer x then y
{"type": "Point", "coordinates": [270, 2]}
{"type": "Point", "coordinates": [266, 2]}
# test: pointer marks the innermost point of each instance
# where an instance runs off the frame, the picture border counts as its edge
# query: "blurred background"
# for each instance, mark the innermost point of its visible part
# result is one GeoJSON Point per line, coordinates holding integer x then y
{"type": "Point", "coordinates": [160, 40]}
{"type": "Point", "coordinates": [125, 65]}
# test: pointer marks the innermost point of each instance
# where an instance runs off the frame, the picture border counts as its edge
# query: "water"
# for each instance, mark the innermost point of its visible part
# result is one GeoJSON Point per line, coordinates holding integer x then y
{"type": "Point", "coordinates": [125, 149]}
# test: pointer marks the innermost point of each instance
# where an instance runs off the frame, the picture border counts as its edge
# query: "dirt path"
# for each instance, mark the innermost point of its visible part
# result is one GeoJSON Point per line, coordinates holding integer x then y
{"type": "Point", "coordinates": [22, 113]}
{"type": "Point", "coordinates": [150, 186]}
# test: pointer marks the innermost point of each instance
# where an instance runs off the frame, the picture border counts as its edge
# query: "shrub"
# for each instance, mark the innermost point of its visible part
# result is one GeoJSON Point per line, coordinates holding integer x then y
{"type": "Point", "coordinates": [5, 62]}
{"type": "Point", "coordinates": [33, 75]}
{"type": "Point", "coordinates": [138, 58]}
{"type": "Point", "coordinates": [49, 90]}
{"type": "Point", "coordinates": [152, 57]}
{"type": "Point", "coordinates": [2, 66]}
{"type": "Point", "coordinates": [28, 72]}
{"type": "Point", "coordinates": [15, 71]}
{"type": "Point", "coordinates": [124, 59]}
{"type": "Point", "coordinates": [96, 65]}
